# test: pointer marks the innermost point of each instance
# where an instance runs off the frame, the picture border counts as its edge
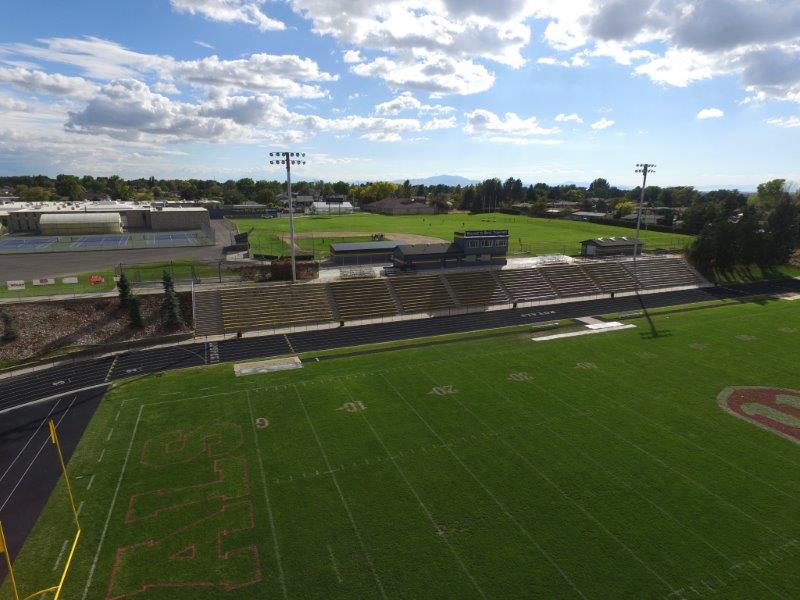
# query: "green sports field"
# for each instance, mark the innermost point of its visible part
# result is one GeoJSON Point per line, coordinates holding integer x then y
{"type": "Point", "coordinates": [597, 466]}
{"type": "Point", "coordinates": [529, 235]}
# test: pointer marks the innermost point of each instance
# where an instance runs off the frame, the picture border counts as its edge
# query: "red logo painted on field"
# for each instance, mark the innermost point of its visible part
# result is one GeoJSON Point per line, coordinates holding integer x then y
{"type": "Point", "coordinates": [774, 409]}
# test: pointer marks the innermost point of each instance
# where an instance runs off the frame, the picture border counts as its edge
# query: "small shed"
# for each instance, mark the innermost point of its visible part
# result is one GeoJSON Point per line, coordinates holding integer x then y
{"type": "Point", "coordinates": [611, 246]}
{"type": "Point", "coordinates": [80, 223]}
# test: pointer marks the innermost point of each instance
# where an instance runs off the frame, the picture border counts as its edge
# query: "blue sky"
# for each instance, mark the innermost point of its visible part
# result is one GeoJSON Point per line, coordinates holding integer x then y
{"type": "Point", "coordinates": [386, 89]}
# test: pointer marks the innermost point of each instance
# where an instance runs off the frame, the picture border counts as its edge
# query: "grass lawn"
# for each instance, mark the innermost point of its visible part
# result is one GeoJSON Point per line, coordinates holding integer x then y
{"type": "Point", "coordinates": [597, 467]}
{"type": "Point", "coordinates": [528, 235]}
{"type": "Point", "coordinates": [755, 273]}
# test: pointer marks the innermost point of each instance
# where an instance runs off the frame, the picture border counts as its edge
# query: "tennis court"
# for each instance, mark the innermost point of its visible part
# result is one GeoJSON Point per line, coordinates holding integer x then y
{"type": "Point", "coordinates": [161, 239]}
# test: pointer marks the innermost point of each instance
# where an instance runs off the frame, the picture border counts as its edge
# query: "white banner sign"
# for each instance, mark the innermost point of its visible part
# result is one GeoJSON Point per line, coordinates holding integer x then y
{"type": "Point", "coordinates": [44, 281]}
{"type": "Point", "coordinates": [15, 285]}
{"type": "Point", "coordinates": [69, 280]}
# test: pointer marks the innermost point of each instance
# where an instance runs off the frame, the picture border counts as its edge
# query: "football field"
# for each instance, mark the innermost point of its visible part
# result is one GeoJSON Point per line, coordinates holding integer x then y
{"type": "Point", "coordinates": [656, 462]}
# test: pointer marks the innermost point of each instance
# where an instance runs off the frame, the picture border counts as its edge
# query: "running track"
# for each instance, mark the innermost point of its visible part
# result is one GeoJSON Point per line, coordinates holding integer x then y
{"type": "Point", "coordinates": [62, 393]}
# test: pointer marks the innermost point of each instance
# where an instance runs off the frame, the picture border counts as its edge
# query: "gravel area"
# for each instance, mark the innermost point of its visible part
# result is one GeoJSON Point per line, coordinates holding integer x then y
{"type": "Point", "coordinates": [47, 327]}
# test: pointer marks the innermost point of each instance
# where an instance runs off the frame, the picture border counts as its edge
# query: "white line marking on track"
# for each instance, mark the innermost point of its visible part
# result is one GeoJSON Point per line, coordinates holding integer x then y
{"type": "Point", "coordinates": [102, 454]}
{"type": "Point", "coordinates": [111, 507]}
{"type": "Point", "coordinates": [30, 439]}
{"type": "Point", "coordinates": [30, 464]}
{"type": "Point", "coordinates": [110, 433]}
{"type": "Point", "coordinates": [266, 498]}
{"type": "Point", "coordinates": [89, 485]}
{"type": "Point", "coordinates": [60, 555]}
{"type": "Point", "coordinates": [80, 508]}
{"type": "Point", "coordinates": [341, 495]}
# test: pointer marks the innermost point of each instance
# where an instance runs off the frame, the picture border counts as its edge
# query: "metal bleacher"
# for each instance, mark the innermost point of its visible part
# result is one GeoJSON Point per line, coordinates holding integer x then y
{"type": "Point", "coordinates": [421, 293]}
{"type": "Point", "coordinates": [610, 276]}
{"type": "Point", "coordinates": [268, 307]}
{"type": "Point", "coordinates": [570, 280]}
{"type": "Point", "coordinates": [477, 288]}
{"type": "Point", "coordinates": [363, 299]}
{"type": "Point", "coordinates": [526, 285]}
{"type": "Point", "coordinates": [653, 273]}
{"type": "Point", "coordinates": [273, 306]}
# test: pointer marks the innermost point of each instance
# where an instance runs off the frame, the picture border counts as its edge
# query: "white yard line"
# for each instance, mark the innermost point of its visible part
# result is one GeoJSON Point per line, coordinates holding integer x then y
{"type": "Point", "coordinates": [333, 564]}
{"type": "Point", "coordinates": [111, 507]}
{"type": "Point", "coordinates": [656, 458]}
{"type": "Point", "coordinates": [102, 454]}
{"type": "Point", "coordinates": [422, 505]}
{"type": "Point", "coordinates": [533, 467]}
{"type": "Point", "coordinates": [60, 555]}
{"type": "Point", "coordinates": [341, 495]}
{"type": "Point", "coordinates": [89, 485]}
{"type": "Point", "coordinates": [266, 498]}
{"type": "Point", "coordinates": [488, 492]}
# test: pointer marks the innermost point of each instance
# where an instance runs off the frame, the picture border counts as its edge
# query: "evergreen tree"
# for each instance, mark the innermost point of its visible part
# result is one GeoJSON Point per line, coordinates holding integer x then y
{"type": "Point", "coordinates": [124, 289]}
{"type": "Point", "coordinates": [9, 327]}
{"type": "Point", "coordinates": [135, 312]}
{"type": "Point", "coordinates": [171, 307]}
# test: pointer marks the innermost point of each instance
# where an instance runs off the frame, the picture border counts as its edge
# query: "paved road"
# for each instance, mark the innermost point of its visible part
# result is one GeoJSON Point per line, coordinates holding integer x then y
{"type": "Point", "coordinates": [22, 430]}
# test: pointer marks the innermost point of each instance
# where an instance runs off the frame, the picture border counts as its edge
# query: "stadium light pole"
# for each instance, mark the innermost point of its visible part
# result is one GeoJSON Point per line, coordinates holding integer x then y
{"type": "Point", "coordinates": [288, 159]}
{"type": "Point", "coordinates": [645, 169]}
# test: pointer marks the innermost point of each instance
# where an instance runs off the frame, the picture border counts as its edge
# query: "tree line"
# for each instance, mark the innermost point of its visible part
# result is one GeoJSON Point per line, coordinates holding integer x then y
{"type": "Point", "coordinates": [765, 232]}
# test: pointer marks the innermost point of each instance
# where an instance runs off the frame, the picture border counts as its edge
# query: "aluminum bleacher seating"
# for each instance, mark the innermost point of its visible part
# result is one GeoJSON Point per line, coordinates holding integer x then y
{"type": "Point", "coordinates": [609, 276]}
{"type": "Point", "coordinates": [653, 273]}
{"type": "Point", "coordinates": [274, 306]}
{"type": "Point", "coordinates": [476, 288]}
{"type": "Point", "coordinates": [526, 285]}
{"type": "Point", "coordinates": [421, 293]}
{"type": "Point", "coordinates": [363, 299]}
{"type": "Point", "coordinates": [570, 280]}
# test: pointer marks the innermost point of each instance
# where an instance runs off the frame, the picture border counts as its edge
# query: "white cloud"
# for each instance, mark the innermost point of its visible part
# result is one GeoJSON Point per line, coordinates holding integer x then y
{"type": "Point", "coordinates": [352, 56]}
{"type": "Point", "coordinates": [164, 87]}
{"type": "Point", "coordinates": [256, 73]}
{"type": "Point", "coordinates": [679, 42]}
{"type": "Point", "coordinates": [94, 57]}
{"type": "Point", "coordinates": [437, 74]}
{"type": "Point", "coordinates": [8, 104]}
{"type": "Point", "coordinates": [447, 123]}
{"type": "Point", "coordinates": [406, 101]}
{"type": "Point", "coordinates": [230, 11]}
{"type": "Point", "coordinates": [788, 122]}
{"type": "Point", "coordinates": [710, 113]}
{"type": "Point", "coordinates": [575, 118]}
{"type": "Point", "coordinates": [53, 84]}
{"type": "Point", "coordinates": [486, 125]}
{"type": "Point", "coordinates": [203, 44]}
{"type": "Point", "coordinates": [602, 124]}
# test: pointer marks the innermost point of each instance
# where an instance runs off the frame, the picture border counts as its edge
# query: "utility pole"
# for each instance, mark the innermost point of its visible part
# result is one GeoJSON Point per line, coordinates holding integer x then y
{"type": "Point", "coordinates": [289, 159]}
{"type": "Point", "coordinates": [644, 169]}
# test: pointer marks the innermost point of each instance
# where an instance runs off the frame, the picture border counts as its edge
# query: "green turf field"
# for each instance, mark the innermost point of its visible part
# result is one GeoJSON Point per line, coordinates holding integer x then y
{"type": "Point", "coordinates": [597, 467]}
{"type": "Point", "coordinates": [528, 235]}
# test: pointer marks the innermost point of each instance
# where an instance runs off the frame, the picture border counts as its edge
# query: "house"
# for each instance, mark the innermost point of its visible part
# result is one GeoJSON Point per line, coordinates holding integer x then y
{"type": "Point", "coordinates": [611, 246]}
{"type": "Point", "coordinates": [399, 206]}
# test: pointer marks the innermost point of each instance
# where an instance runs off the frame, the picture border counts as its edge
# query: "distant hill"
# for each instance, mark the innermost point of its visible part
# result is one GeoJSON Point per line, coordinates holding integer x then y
{"type": "Point", "coordinates": [440, 180]}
